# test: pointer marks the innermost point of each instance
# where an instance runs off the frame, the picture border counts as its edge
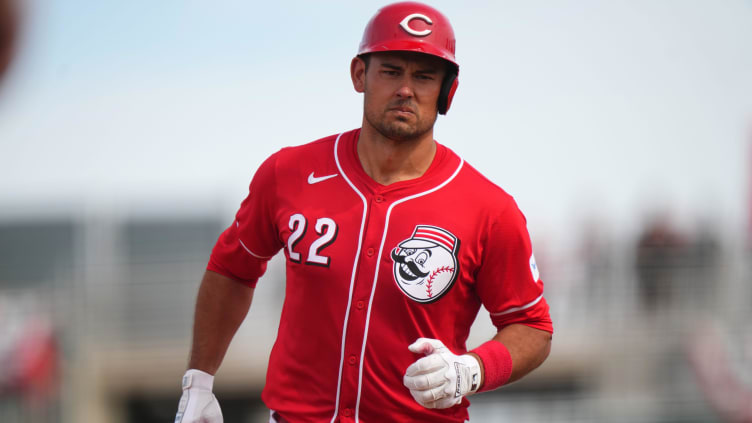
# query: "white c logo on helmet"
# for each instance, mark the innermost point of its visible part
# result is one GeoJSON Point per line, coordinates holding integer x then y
{"type": "Point", "coordinates": [405, 24]}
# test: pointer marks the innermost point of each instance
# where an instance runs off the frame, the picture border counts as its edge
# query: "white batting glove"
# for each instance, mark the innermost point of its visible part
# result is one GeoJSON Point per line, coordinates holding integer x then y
{"type": "Point", "coordinates": [198, 404]}
{"type": "Point", "coordinates": [441, 378]}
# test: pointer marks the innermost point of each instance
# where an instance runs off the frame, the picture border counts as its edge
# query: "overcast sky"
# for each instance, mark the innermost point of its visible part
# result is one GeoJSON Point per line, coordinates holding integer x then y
{"type": "Point", "coordinates": [607, 108]}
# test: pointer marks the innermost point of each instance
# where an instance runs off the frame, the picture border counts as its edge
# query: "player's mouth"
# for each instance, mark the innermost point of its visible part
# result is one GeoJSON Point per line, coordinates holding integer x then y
{"type": "Point", "coordinates": [403, 109]}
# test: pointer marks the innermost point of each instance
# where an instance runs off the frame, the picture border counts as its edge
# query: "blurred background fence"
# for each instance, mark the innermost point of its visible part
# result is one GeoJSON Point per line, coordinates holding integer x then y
{"type": "Point", "coordinates": [95, 319]}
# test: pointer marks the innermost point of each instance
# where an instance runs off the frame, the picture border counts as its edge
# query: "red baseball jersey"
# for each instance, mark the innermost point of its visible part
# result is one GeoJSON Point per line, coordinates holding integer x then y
{"type": "Point", "coordinates": [371, 268]}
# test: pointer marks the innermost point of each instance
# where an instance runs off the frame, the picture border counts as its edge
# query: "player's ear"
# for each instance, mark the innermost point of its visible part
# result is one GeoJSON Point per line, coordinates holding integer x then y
{"type": "Point", "coordinates": [358, 74]}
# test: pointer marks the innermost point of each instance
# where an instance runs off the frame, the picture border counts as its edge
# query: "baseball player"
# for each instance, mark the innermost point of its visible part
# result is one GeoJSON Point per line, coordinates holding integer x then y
{"type": "Point", "coordinates": [392, 243]}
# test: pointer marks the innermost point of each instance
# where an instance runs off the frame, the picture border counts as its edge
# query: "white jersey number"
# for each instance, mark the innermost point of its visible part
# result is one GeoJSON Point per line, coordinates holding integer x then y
{"type": "Point", "coordinates": [298, 226]}
{"type": "Point", "coordinates": [325, 227]}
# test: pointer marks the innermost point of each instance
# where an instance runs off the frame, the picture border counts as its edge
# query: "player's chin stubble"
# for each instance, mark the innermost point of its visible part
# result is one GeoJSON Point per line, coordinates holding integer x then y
{"type": "Point", "coordinates": [399, 129]}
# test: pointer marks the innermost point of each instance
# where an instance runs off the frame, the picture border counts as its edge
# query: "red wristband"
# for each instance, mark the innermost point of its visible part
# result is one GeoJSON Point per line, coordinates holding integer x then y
{"type": "Point", "coordinates": [497, 364]}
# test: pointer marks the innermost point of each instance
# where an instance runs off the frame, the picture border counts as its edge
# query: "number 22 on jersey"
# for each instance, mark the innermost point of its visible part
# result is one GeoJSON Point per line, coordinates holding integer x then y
{"type": "Point", "coordinates": [326, 230]}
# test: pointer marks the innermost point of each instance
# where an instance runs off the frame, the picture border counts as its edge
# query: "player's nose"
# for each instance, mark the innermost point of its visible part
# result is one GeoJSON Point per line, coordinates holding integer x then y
{"type": "Point", "coordinates": [405, 89]}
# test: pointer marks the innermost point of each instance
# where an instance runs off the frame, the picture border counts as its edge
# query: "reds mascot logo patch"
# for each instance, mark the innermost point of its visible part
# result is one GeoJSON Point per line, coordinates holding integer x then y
{"type": "Point", "coordinates": [425, 265]}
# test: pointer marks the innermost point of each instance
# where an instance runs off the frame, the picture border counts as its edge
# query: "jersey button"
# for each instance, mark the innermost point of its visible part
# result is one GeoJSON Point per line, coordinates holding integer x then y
{"type": "Point", "coordinates": [370, 252]}
{"type": "Point", "coordinates": [360, 305]}
{"type": "Point", "coordinates": [347, 412]}
{"type": "Point", "coordinates": [378, 198]}
{"type": "Point", "coordinates": [352, 360]}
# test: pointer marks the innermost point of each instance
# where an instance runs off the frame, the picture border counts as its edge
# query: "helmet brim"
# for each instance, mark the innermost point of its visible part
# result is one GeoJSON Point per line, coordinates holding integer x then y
{"type": "Point", "coordinates": [409, 46]}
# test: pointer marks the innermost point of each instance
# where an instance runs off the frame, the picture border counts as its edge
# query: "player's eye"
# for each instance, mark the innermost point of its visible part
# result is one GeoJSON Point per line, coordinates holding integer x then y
{"type": "Point", "coordinates": [421, 259]}
{"type": "Point", "coordinates": [409, 252]}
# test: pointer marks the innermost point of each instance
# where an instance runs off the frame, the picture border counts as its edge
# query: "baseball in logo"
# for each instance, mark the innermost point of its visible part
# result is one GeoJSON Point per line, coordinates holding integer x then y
{"type": "Point", "coordinates": [425, 265]}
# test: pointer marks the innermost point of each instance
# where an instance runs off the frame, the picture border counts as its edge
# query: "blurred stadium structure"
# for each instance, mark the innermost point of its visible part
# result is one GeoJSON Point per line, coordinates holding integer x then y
{"type": "Point", "coordinates": [95, 320]}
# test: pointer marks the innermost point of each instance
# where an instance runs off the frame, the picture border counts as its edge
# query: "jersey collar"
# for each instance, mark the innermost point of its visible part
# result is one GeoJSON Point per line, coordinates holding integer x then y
{"type": "Point", "coordinates": [443, 165]}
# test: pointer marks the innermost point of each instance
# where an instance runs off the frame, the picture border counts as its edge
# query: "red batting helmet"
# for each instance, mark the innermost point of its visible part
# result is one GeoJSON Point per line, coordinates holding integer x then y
{"type": "Point", "coordinates": [412, 26]}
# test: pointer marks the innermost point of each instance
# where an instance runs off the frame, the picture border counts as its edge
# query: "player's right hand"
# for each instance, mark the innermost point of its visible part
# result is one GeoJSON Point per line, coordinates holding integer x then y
{"type": "Point", "coordinates": [440, 379]}
{"type": "Point", "coordinates": [198, 404]}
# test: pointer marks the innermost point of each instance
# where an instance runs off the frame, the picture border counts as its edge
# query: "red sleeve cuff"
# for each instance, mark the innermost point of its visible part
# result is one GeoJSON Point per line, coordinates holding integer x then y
{"type": "Point", "coordinates": [215, 267]}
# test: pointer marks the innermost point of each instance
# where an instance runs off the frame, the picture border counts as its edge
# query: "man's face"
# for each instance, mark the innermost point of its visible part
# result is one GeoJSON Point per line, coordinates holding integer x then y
{"type": "Point", "coordinates": [401, 90]}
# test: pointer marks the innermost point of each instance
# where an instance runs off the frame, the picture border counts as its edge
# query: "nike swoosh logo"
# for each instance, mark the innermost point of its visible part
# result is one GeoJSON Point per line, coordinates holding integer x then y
{"type": "Point", "coordinates": [314, 180]}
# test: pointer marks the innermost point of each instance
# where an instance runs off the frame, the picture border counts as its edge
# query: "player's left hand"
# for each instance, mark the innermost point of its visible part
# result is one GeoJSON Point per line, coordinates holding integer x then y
{"type": "Point", "coordinates": [441, 378]}
{"type": "Point", "coordinates": [198, 404]}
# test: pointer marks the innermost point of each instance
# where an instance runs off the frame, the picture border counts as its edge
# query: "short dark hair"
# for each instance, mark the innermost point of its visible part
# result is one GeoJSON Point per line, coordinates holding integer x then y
{"type": "Point", "coordinates": [366, 58]}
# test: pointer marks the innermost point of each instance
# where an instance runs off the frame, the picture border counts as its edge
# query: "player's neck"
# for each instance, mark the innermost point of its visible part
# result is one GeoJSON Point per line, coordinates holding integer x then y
{"type": "Point", "coordinates": [388, 161]}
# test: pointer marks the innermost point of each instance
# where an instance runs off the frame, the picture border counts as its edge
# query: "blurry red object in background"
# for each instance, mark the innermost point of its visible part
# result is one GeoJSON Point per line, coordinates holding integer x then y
{"type": "Point", "coordinates": [36, 357]}
{"type": "Point", "coordinates": [8, 32]}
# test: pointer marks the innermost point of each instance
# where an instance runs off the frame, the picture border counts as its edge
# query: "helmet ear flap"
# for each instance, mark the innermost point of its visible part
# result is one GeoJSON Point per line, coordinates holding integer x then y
{"type": "Point", "coordinates": [448, 88]}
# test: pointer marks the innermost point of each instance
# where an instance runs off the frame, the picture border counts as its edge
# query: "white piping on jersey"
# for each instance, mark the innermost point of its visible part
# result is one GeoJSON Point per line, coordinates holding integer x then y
{"type": "Point", "coordinates": [252, 253]}
{"type": "Point", "coordinates": [376, 274]}
{"type": "Point", "coordinates": [352, 276]}
{"type": "Point", "coordinates": [248, 250]}
{"type": "Point", "coordinates": [513, 309]}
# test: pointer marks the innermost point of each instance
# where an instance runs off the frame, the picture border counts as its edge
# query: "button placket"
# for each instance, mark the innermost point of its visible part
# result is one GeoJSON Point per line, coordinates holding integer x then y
{"type": "Point", "coordinates": [377, 207]}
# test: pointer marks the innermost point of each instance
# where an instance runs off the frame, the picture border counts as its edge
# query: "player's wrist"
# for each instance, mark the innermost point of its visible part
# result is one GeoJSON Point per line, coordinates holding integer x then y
{"type": "Point", "coordinates": [481, 371]}
{"type": "Point", "coordinates": [197, 379]}
{"type": "Point", "coordinates": [496, 362]}
{"type": "Point", "coordinates": [473, 371]}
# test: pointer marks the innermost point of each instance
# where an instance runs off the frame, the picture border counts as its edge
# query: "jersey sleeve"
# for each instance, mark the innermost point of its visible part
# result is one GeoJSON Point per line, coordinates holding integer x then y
{"type": "Point", "coordinates": [243, 249]}
{"type": "Point", "coordinates": [508, 281]}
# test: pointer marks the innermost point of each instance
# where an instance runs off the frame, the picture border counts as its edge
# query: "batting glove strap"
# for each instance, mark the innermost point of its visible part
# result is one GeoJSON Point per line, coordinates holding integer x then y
{"type": "Point", "coordinates": [198, 379]}
{"type": "Point", "coordinates": [440, 379]}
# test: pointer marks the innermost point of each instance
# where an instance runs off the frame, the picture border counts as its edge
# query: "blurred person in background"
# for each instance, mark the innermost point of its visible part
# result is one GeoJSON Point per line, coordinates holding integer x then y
{"type": "Point", "coordinates": [29, 359]}
{"type": "Point", "coordinates": [392, 242]}
{"type": "Point", "coordinates": [677, 270]}
{"type": "Point", "coordinates": [661, 254]}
